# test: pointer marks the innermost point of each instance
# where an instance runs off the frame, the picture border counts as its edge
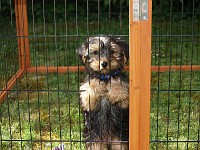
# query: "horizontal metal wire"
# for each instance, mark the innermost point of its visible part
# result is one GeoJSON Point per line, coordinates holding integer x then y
{"type": "Point", "coordinates": [174, 141]}
{"type": "Point", "coordinates": [48, 90]}
{"type": "Point", "coordinates": [117, 35]}
{"type": "Point", "coordinates": [61, 140]}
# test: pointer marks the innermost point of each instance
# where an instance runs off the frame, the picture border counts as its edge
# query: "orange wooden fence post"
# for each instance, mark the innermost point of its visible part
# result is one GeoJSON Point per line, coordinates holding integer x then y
{"type": "Point", "coordinates": [22, 33]}
{"type": "Point", "coordinates": [140, 73]}
{"type": "Point", "coordinates": [23, 46]}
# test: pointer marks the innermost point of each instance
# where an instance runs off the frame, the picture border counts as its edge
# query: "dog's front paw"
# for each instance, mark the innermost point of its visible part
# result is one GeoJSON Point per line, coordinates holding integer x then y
{"type": "Point", "coordinates": [118, 92]}
{"type": "Point", "coordinates": [91, 91]}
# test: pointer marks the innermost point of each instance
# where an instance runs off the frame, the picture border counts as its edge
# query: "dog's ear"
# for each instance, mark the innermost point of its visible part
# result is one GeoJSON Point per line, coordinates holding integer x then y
{"type": "Point", "coordinates": [125, 49]}
{"type": "Point", "coordinates": [81, 51]}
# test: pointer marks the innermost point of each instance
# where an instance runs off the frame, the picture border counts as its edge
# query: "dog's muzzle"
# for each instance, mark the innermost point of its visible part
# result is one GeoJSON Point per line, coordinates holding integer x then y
{"type": "Point", "coordinates": [104, 64]}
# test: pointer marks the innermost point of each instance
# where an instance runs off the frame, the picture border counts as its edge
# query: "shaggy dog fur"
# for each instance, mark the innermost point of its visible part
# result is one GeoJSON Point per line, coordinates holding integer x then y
{"type": "Point", "coordinates": [104, 94]}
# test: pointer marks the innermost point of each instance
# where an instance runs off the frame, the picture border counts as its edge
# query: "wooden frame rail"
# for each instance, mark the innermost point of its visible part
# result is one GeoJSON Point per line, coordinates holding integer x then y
{"type": "Point", "coordinates": [8, 86]}
{"type": "Point", "coordinates": [23, 46]}
{"type": "Point", "coordinates": [64, 69]}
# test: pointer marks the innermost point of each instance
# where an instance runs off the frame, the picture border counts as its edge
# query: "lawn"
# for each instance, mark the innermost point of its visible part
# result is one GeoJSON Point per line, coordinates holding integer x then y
{"type": "Point", "coordinates": [44, 112]}
{"type": "Point", "coordinates": [175, 101]}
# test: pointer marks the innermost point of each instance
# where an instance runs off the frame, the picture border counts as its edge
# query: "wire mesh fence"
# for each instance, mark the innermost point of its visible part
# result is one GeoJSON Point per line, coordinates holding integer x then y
{"type": "Point", "coordinates": [175, 99]}
{"type": "Point", "coordinates": [42, 110]}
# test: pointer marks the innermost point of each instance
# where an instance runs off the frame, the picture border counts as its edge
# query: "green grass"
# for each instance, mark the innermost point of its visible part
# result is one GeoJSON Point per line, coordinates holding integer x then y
{"type": "Point", "coordinates": [49, 111]}
{"type": "Point", "coordinates": [175, 102]}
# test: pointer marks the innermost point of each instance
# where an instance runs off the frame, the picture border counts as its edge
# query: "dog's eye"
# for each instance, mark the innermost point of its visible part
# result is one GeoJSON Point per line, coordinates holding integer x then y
{"type": "Point", "coordinates": [96, 52]}
{"type": "Point", "coordinates": [111, 52]}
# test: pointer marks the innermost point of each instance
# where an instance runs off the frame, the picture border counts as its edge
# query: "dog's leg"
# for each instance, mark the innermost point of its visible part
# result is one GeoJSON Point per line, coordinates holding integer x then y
{"type": "Point", "coordinates": [96, 146]}
{"type": "Point", "coordinates": [118, 93]}
{"type": "Point", "coordinates": [117, 145]}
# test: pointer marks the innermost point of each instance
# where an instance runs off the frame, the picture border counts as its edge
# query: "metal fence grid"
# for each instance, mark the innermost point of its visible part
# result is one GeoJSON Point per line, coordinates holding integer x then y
{"type": "Point", "coordinates": [175, 101]}
{"type": "Point", "coordinates": [42, 110]}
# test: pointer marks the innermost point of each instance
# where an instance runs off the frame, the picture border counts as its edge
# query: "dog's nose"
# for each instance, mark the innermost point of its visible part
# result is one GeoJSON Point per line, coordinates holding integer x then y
{"type": "Point", "coordinates": [104, 64]}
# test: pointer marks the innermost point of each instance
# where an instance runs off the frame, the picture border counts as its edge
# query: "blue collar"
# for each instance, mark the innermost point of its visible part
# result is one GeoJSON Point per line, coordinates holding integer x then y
{"type": "Point", "coordinates": [108, 76]}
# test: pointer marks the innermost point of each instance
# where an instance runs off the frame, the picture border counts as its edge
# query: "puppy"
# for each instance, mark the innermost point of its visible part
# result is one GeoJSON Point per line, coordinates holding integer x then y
{"type": "Point", "coordinates": [104, 95]}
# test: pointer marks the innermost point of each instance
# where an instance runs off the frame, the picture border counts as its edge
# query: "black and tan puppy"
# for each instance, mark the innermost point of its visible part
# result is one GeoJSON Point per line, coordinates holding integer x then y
{"type": "Point", "coordinates": [104, 94]}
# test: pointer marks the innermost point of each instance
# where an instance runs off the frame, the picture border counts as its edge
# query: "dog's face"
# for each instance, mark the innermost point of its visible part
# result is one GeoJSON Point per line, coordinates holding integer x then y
{"type": "Point", "coordinates": [103, 54]}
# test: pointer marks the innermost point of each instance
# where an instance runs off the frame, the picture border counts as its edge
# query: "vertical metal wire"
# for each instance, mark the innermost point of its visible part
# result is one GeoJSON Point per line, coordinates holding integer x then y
{"type": "Point", "coordinates": [120, 18]}
{"type": "Point", "coordinates": [79, 106]}
{"type": "Point", "coordinates": [158, 82]}
{"type": "Point", "coordinates": [10, 124]}
{"type": "Point", "coordinates": [56, 40]}
{"type": "Point", "coordinates": [180, 76]}
{"type": "Point", "coordinates": [77, 30]}
{"type": "Point", "coordinates": [99, 36]}
{"type": "Point", "coordinates": [88, 32]}
{"type": "Point", "coordinates": [98, 16]}
{"type": "Point", "coordinates": [45, 56]}
{"type": "Point", "coordinates": [36, 65]}
{"type": "Point", "coordinates": [169, 74]}
{"type": "Point", "coordinates": [48, 95]}
{"type": "Point", "coordinates": [109, 7]}
{"type": "Point", "coordinates": [19, 118]}
{"type": "Point", "coordinates": [17, 94]}
{"type": "Point", "coordinates": [11, 12]}
{"type": "Point", "coordinates": [0, 8]}
{"type": "Point", "coordinates": [191, 77]}
{"type": "Point", "coordinates": [26, 79]}
{"type": "Point", "coordinates": [198, 134]}
{"type": "Point", "coordinates": [68, 64]}
{"type": "Point", "coordinates": [69, 111]}
{"type": "Point", "coordinates": [34, 35]}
